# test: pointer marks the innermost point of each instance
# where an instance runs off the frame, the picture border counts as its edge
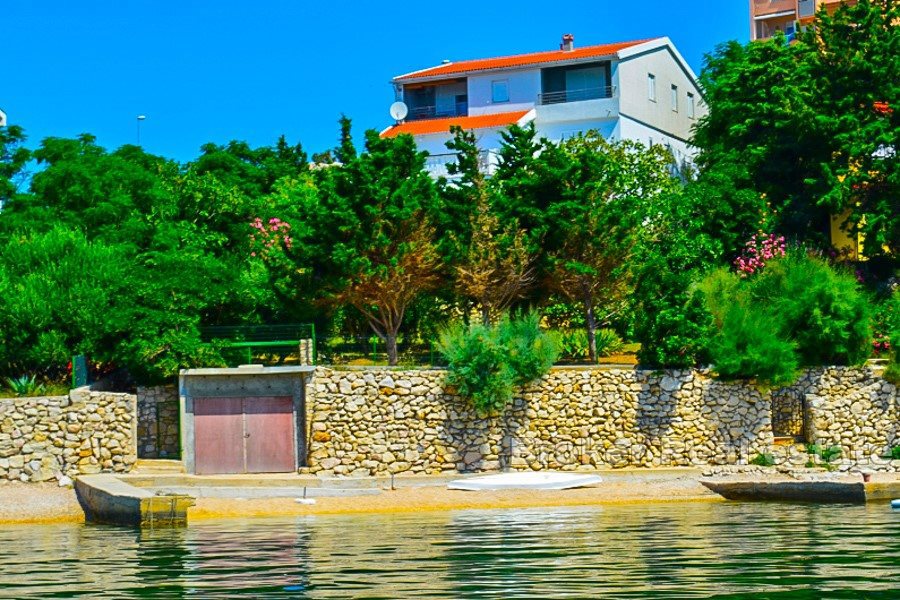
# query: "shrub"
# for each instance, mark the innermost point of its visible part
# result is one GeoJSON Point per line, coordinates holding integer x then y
{"type": "Point", "coordinates": [826, 454]}
{"type": "Point", "coordinates": [485, 364]}
{"type": "Point", "coordinates": [573, 343]}
{"type": "Point", "coordinates": [821, 308]}
{"type": "Point", "coordinates": [530, 351]}
{"type": "Point", "coordinates": [25, 385]}
{"type": "Point", "coordinates": [763, 460]}
{"type": "Point", "coordinates": [797, 311]}
{"type": "Point", "coordinates": [477, 366]}
{"type": "Point", "coordinates": [608, 342]}
{"type": "Point", "coordinates": [747, 345]}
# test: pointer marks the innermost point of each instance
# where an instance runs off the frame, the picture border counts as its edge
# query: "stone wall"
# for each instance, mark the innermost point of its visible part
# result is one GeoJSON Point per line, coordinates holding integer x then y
{"type": "Point", "coordinates": [51, 437]}
{"type": "Point", "coordinates": [375, 422]}
{"type": "Point", "coordinates": [855, 409]}
{"type": "Point", "coordinates": [158, 434]}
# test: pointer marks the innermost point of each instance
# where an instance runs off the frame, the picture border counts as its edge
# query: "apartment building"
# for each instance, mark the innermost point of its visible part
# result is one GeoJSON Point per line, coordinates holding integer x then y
{"type": "Point", "coordinates": [770, 16]}
{"type": "Point", "coordinates": [639, 90]}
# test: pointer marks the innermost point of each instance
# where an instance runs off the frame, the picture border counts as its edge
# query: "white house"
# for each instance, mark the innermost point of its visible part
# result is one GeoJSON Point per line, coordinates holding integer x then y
{"type": "Point", "coordinates": [640, 90]}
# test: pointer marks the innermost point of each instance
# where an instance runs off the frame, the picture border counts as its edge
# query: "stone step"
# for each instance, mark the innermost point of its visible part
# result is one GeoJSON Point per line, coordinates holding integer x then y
{"type": "Point", "coordinates": [788, 441]}
{"type": "Point", "coordinates": [158, 465]}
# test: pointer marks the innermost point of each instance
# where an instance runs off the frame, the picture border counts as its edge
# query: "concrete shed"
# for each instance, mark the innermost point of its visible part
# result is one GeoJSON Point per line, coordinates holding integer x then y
{"type": "Point", "coordinates": [248, 419]}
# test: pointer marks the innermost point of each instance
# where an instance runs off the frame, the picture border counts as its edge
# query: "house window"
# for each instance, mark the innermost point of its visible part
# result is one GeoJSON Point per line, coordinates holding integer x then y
{"type": "Point", "coordinates": [675, 98]}
{"type": "Point", "coordinates": [500, 91]}
{"type": "Point", "coordinates": [690, 105]}
{"type": "Point", "coordinates": [651, 87]}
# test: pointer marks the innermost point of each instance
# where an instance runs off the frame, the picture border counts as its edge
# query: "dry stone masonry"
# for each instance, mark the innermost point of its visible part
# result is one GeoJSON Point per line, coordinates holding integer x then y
{"type": "Point", "coordinates": [48, 438]}
{"type": "Point", "coordinates": [852, 408]}
{"type": "Point", "coordinates": [376, 422]}
{"type": "Point", "coordinates": [158, 422]}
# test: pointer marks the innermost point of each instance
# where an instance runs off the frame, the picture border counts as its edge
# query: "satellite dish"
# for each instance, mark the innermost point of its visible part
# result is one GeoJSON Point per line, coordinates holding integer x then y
{"type": "Point", "coordinates": [2, 119]}
{"type": "Point", "coordinates": [399, 110]}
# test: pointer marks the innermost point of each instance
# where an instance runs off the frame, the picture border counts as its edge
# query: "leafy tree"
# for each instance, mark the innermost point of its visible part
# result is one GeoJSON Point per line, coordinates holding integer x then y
{"type": "Point", "coordinates": [599, 218]}
{"type": "Point", "coordinates": [490, 260]}
{"type": "Point", "coordinates": [855, 63]}
{"type": "Point", "coordinates": [57, 294]}
{"type": "Point", "coordinates": [13, 159]}
{"type": "Point", "coordinates": [369, 243]}
{"type": "Point", "coordinates": [253, 171]}
{"type": "Point", "coordinates": [813, 124]}
{"type": "Point", "coordinates": [670, 322]}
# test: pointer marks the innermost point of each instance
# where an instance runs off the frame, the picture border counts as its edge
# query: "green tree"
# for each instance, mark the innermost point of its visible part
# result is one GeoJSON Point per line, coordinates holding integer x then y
{"type": "Point", "coordinates": [490, 261]}
{"type": "Point", "coordinates": [369, 243]}
{"type": "Point", "coordinates": [813, 124]}
{"type": "Point", "coordinates": [855, 64]}
{"type": "Point", "coordinates": [599, 217]}
{"type": "Point", "coordinates": [13, 159]}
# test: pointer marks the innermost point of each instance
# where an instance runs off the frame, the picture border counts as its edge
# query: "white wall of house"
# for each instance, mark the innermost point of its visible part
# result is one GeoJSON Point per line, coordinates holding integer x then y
{"type": "Point", "coordinates": [556, 132]}
{"type": "Point", "coordinates": [634, 100]}
{"type": "Point", "coordinates": [628, 114]}
{"type": "Point", "coordinates": [524, 87]}
{"type": "Point", "coordinates": [638, 132]}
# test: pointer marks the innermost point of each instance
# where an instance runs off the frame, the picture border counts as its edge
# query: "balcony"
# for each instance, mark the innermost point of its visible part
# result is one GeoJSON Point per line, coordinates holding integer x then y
{"type": "Point", "coordinates": [436, 164]}
{"type": "Point", "coordinates": [458, 109]}
{"type": "Point", "coordinates": [581, 95]}
{"type": "Point", "coordinates": [762, 8]}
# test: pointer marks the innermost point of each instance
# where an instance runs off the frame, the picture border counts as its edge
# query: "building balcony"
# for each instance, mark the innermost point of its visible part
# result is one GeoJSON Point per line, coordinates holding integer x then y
{"type": "Point", "coordinates": [575, 106]}
{"type": "Point", "coordinates": [764, 8]}
{"type": "Point", "coordinates": [458, 109]}
{"type": "Point", "coordinates": [581, 95]}
{"type": "Point", "coordinates": [436, 164]}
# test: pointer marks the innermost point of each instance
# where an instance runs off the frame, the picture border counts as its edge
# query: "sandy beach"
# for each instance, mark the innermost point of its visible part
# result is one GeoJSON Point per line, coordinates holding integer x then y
{"type": "Point", "coordinates": [38, 503]}
{"type": "Point", "coordinates": [46, 503]}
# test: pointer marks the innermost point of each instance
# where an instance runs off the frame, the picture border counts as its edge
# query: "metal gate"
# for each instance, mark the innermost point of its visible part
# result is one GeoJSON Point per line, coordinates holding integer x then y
{"type": "Point", "coordinates": [244, 435]}
{"type": "Point", "coordinates": [789, 414]}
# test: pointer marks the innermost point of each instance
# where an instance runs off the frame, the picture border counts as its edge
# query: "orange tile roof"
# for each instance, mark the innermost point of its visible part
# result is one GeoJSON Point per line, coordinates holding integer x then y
{"type": "Point", "coordinates": [519, 60]}
{"type": "Point", "coordinates": [426, 126]}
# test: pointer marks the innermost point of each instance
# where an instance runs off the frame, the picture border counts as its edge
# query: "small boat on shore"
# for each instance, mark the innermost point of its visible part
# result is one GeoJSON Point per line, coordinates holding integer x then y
{"type": "Point", "coordinates": [525, 480]}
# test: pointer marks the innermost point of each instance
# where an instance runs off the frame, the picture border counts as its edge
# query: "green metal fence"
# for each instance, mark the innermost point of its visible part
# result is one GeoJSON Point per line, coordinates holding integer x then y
{"type": "Point", "coordinates": [269, 344]}
{"type": "Point", "coordinates": [371, 350]}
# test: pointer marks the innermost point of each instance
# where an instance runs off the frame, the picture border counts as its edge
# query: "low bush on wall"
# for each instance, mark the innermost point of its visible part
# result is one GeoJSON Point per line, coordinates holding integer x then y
{"type": "Point", "coordinates": [798, 311]}
{"type": "Point", "coordinates": [486, 363]}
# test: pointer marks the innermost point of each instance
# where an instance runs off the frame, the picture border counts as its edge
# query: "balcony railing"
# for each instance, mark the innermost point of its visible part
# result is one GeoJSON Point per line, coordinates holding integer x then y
{"type": "Point", "coordinates": [460, 109]}
{"type": "Point", "coordinates": [436, 164]}
{"type": "Point", "coordinates": [768, 7]}
{"type": "Point", "coordinates": [545, 98]}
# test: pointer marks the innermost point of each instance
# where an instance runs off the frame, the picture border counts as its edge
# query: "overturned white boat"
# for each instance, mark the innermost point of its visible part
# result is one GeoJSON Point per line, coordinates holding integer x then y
{"type": "Point", "coordinates": [525, 480]}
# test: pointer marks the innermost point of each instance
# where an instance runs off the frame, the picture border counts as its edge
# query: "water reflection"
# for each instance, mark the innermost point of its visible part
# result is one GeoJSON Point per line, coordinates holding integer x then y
{"type": "Point", "coordinates": [674, 550]}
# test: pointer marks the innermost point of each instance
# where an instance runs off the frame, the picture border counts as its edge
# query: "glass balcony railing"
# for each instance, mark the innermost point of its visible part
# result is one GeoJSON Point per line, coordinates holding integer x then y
{"type": "Point", "coordinates": [459, 109]}
{"type": "Point", "coordinates": [545, 98]}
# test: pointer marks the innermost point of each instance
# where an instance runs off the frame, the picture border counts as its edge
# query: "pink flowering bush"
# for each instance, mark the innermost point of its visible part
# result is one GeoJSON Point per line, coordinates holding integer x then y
{"type": "Point", "coordinates": [759, 250]}
{"type": "Point", "coordinates": [881, 345]}
{"type": "Point", "coordinates": [269, 236]}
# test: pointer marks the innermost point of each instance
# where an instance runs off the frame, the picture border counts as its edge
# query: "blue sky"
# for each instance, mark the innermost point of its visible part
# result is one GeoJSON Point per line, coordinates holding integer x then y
{"type": "Point", "coordinates": [220, 70]}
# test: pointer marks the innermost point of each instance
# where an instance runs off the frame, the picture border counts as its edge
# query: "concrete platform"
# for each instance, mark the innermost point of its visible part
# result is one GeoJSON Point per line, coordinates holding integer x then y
{"type": "Point", "coordinates": [106, 499]}
{"type": "Point", "coordinates": [841, 491]}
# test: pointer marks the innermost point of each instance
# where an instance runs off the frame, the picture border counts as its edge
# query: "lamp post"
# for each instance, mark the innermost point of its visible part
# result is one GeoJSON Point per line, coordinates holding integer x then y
{"type": "Point", "coordinates": [139, 119]}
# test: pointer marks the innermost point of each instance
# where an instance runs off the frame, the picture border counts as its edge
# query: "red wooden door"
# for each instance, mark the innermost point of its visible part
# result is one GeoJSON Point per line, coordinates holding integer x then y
{"type": "Point", "coordinates": [269, 434]}
{"type": "Point", "coordinates": [218, 435]}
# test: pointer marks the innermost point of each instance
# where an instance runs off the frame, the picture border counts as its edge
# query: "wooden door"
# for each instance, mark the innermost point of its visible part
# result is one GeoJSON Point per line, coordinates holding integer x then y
{"type": "Point", "coordinates": [269, 434]}
{"type": "Point", "coordinates": [218, 435]}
